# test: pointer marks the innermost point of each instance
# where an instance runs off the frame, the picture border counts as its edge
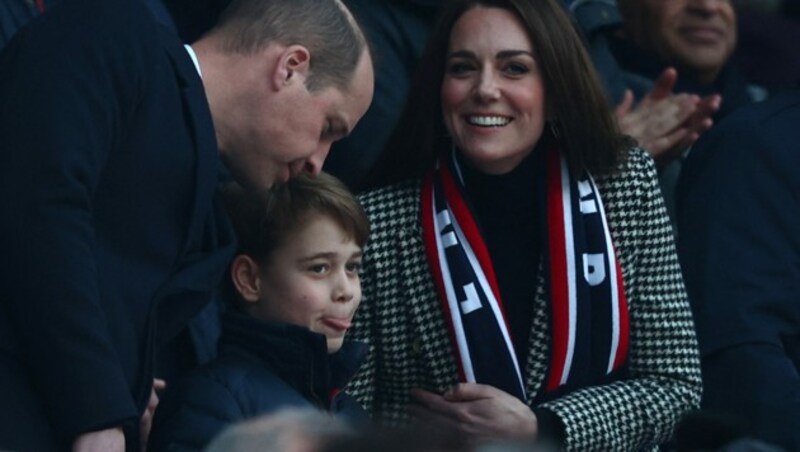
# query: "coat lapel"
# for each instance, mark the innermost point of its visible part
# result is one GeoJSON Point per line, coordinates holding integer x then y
{"type": "Point", "coordinates": [431, 346]}
{"type": "Point", "coordinates": [209, 242]}
{"type": "Point", "coordinates": [539, 339]}
{"type": "Point", "coordinates": [199, 123]}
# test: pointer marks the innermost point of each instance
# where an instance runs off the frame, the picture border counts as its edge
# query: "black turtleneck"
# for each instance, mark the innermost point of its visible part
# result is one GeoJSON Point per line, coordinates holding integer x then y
{"type": "Point", "coordinates": [506, 212]}
{"type": "Point", "coordinates": [507, 209]}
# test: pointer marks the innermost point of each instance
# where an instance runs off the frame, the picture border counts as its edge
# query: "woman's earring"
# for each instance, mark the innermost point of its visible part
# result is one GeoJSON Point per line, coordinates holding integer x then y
{"type": "Point", "coordinates": [554, 129]}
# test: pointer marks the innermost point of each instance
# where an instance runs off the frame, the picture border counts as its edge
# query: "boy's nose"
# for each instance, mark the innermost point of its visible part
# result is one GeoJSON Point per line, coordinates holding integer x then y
{"type": "Point", "coordinates": [345, 289]}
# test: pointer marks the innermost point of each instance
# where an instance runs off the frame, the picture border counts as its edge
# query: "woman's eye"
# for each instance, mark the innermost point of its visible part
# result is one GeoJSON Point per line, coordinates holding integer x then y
{"type": "Point", "coordinates": [459, 68]}
{"type": "Point", "coordinates": [516, 69]}
{"type": "Point", "coordinates": [319, 268]}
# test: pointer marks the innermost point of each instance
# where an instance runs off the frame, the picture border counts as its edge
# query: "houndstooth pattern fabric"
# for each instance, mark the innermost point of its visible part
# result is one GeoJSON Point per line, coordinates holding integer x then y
{"type": "Point", "coordinates": [402, 320]}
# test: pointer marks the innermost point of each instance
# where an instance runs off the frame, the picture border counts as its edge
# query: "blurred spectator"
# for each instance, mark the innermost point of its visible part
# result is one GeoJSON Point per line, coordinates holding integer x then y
{"type": "Point", "coordinates": [16, 13]}
{"type": "Point", "coordinates": [193, 18]}
{"type": "Point", "coordinates": [739, 214]}
{"type": "Point", "coordinates": [711, 431]}
{"type": "Point", "coordinates": [635, 47]}
{"type": "Point", "coordinates": [288, 430]}
{"type": "Point", "coordinates": [768, 52]}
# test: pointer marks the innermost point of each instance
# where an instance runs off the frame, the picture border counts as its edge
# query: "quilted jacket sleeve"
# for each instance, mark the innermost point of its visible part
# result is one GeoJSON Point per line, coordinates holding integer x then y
{"type": "Point", "coordinates": [663, 361]}
{"type": "Point", "coordinates": [190, 418]}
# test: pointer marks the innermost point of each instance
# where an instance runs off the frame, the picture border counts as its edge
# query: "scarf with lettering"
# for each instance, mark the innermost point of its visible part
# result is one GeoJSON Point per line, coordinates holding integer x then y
{"type": "Point", "coordinates": [586, 297]}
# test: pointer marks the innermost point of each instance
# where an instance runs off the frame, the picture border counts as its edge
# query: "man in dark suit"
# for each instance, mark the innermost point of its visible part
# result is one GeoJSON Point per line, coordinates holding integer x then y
{"type": "Point", "coordinates": [111, 138]}
{"type": "Point", "coordinates": [739, 217]}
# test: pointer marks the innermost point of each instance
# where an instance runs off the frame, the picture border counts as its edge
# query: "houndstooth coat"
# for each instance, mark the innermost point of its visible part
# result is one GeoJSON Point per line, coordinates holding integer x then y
{"type": "Point", "coordinates": [401, 318]}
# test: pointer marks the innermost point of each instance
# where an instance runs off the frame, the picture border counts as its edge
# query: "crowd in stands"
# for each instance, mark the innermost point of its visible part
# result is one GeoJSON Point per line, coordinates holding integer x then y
{"type": "Point", "coordinates": [433, 225]}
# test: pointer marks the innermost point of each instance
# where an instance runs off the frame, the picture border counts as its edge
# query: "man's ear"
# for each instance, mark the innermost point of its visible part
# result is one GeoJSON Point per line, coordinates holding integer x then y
{"type": "Point", "coordinates": [293, 66]}
{"type": "Point", "coordinates": [245, 275]}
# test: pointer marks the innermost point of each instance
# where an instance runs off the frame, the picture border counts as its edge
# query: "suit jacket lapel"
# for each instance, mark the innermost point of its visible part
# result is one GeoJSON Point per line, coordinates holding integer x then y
{"type": "Point", "coordinates": [201, 127]}
{"type": "Point", "coordinates": [209, 243]}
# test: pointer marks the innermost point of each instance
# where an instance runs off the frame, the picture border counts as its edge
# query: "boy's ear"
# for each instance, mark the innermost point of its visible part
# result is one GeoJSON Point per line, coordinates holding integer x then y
{"type": "Point", "coordinates": [293, 66]}
{"type": "Point", "coordinates": [246, 279]}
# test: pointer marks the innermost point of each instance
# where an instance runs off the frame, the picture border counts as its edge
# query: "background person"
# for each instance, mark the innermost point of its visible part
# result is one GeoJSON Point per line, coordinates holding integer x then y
{"type": "Point", "coordinates": [287, 430]}
{"type": "Point", "coordinates": [739, 214]}
{"type": "Point", "coordinates": [668, 66]}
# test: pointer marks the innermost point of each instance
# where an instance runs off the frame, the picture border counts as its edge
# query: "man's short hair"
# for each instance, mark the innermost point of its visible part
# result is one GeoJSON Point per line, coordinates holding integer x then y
{"type": "Point", "coordinates": [263, 221]}
{"type": "Point", "coordinates": [324, 27]}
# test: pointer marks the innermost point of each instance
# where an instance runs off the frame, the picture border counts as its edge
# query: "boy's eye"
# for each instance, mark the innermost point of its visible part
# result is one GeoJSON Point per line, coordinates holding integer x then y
{"type": "Point", "coordinates": [318, 268]}
{"type": "Point", "coordinates": [353, 267]}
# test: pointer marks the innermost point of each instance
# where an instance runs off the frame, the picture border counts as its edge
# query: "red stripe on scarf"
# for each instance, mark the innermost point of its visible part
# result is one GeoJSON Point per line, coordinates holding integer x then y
{"type": "Point", "coordinates": [622, 300]}
{"type": "Point", "coordinates": [471, 231]}
{"type": "Point", "coordinates": [429, 234]}
{"type": "Point", "coordinates": [470, 228]}
{"type": "Point", "coordinates": [558, 270]}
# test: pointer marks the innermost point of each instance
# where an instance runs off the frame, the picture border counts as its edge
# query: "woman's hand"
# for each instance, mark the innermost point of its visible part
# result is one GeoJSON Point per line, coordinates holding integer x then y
{"type": "Point", "coordinates": [479, 410]}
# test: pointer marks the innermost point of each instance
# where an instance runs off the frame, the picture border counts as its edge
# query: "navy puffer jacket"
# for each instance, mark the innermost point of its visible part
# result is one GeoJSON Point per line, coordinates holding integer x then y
{"type": "Point", "coordinates": [261, 367]}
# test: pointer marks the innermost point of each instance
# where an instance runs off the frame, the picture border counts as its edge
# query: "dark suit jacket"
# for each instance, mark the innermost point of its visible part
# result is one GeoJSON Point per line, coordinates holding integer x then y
{"type": "Point", "coordinates": [111, 235]}
{"type": "Point", "coordinates": [739, 214]}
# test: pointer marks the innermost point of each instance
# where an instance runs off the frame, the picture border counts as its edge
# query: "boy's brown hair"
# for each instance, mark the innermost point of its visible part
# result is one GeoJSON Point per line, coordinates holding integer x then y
{"type": "Point", "coordinates": [262, 221]}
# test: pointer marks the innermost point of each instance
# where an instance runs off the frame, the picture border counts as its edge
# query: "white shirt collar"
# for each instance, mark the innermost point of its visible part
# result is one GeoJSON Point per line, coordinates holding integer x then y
{"type": "Point", "coordinates": [193, 55]}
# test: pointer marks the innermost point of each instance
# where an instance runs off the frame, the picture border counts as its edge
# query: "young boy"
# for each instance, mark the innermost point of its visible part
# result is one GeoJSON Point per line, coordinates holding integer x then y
{"type": "Point", "coordinates": [296, 286]}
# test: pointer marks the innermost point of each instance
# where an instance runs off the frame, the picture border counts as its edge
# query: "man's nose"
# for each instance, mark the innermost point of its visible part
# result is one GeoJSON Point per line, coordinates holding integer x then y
{"type": "Point", "coordinates": [313, 164]}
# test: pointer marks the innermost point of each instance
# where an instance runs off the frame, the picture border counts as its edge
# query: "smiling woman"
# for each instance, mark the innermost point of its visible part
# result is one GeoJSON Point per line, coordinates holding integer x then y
{"type": "Point", "coordinates": [493, 94]}
{"type": "Point", "coordinates": [521, 277]}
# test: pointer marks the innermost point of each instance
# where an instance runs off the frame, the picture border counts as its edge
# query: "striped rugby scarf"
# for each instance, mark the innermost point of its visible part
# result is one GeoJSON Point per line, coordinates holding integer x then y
{"type": "Point", "coordinates": [588, 308]}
